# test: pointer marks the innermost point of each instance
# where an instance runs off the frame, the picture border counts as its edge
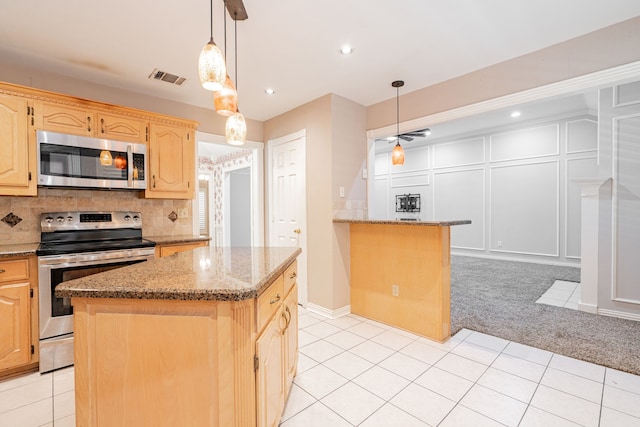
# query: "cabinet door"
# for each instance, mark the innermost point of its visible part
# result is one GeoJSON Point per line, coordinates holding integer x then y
{"type": "Point", "coordinates": [290, 338]}
{"type": "Point", "coordinates": [119, 128]}
{"type": "Point", "coordinates": [65, 119]}
{"type": "Point", "coordinates": [17, 162]}
{"type": "Point", "coordinates": [172, 249]}
{"type": "Point", "coordinates": [269, 376]}
{"type": "Point", "coordinates": [15, 332]}
{"type": "Point", "coordinates": [171, 163]}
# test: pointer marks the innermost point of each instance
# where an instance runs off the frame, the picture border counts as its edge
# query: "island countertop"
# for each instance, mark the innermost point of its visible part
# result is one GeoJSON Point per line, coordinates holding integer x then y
{"type": "Point", "coordinates": [207, 273]}
{"type": "Point", "coordinates": [403, 222]}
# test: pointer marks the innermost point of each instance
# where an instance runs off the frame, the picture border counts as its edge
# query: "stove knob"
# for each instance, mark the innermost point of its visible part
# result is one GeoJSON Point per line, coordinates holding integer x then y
{"type": "Point", "coordinates": [136, 218]}
{"type": "Point", "coordinates": [69, 218]}
{"type": "Point", "coordinates": [48, 220]}
{"type": "Point", "coordinates": [60, 219]}
{"type": "Point", "coordinates": [127, 217]}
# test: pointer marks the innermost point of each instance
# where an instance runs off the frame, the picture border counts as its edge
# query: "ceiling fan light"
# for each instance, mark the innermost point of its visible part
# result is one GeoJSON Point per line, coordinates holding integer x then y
{"type": "Point", "coordinates": [397, 155]}
{"type": "Point", "coordinates": [236, 129]}
{"type": "Point", "coordinates": [211, 67]}
{"type": "Point", "coordinates": [226, 99]}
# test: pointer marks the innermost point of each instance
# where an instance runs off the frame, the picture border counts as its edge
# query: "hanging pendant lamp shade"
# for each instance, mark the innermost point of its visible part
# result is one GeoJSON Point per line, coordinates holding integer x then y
{"type": "Point", "coordinates": [236, 129]}
{"type": "Point", "coordinates": [397, 155]}
{"type": "Point", "coordinates": [236, 126]}
{"type": "Point", "coordinates": [226, 99]}
{"type": "Point", "coordinates": [211, 66]}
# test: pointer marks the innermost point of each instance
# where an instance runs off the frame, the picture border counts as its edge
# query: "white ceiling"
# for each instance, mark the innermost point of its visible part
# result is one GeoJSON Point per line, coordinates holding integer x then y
{"type": "Point", "coordinates": [291, 45]}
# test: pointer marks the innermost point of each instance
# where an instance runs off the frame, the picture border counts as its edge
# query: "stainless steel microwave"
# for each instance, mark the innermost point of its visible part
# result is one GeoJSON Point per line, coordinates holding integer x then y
{"type": "Point", "coordinates": [84, 162]}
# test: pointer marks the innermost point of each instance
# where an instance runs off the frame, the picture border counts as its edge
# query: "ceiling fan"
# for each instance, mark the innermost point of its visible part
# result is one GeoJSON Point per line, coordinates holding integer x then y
{"type": "Point", "coordinates": [408, 136]}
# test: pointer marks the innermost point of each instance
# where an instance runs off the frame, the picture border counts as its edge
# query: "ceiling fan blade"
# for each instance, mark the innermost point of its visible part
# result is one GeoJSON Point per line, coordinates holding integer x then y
{"type": "Point", "coordinates": [406, 138]}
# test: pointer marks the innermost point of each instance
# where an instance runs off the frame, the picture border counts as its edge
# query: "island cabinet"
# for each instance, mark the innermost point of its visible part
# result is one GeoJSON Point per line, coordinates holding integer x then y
{"type": "Point", "coordinates": [171, 162]}
{"type": "Point", "coordinates": [276, 348]}
{"type": "Point", "coordinates": [202, 338]}
{"type": "Point", "coordinates": [18, 311]}
{"type": "Point", "coordinates": [18, 159]}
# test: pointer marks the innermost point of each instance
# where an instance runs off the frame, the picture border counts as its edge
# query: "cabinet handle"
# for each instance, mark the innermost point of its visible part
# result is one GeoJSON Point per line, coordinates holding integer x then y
{"type": "Point", "coordinates": [88, 123]}
{"type": "Point", "coordinates": [293, 275]}
{"type": "Point", "coordinates": [275, 300]}
{"type": "Point", "coordinates": [154, 181]}
{"type": "Point", "coordinates": [2, 271]}
{"type": "Point", "coordinates": [102, 125]}
{"type": "Point", "coordinates": [287, 320]}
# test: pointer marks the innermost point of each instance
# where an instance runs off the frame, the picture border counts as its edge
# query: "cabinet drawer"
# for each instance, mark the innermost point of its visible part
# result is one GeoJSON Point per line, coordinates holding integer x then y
{"type": "Point", "coordinates": [269, 302]}
{"type": "Point", "coordinates": [14, 270]}
{"type": "Point", "coordinates": [290, 277]}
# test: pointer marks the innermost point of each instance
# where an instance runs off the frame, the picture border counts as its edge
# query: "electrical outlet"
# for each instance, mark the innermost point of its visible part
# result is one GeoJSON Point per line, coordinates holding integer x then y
{"type": "Point", "coordinates": [499, 243]}
{"type": "Point", "coordinates": [183, 213]}
{"type": "Point", "coordinates": [395, 290]}
{"type": "Point", "coordinates": [364, 173]}
{"type": "Point", "coordinates": [341, 191]}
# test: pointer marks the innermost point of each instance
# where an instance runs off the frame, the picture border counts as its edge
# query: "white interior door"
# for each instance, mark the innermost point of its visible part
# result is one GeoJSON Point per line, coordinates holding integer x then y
{"type": "Point", "coordinates": [288, 201]}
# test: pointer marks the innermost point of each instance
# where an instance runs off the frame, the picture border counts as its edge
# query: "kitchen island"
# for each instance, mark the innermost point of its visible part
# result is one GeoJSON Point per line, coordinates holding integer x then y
{"type": "Point", "coordinates": [201, 338]}
{"type": "Point", "coordinates": [400, 272]}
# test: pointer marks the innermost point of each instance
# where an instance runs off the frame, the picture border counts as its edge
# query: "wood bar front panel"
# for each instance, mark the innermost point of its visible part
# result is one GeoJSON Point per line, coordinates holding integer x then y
{"type": "Point", "coordinates": [417, 260]}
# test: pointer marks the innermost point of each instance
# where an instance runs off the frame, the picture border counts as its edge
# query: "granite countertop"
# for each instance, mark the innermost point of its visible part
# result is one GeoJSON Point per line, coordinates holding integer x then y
{"type": "Point", "coordinates": [182, 238]}
{"type": "Point", "coordinates": [206, 273]}
{"type": "Point", "coordinates": [19, 249]}
{"type": "Point", "coordinates": [403, 222]}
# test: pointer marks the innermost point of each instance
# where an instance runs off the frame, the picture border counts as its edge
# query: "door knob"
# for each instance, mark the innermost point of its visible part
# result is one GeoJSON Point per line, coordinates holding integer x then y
{"type": "Point", "coordinates": [297, 231]}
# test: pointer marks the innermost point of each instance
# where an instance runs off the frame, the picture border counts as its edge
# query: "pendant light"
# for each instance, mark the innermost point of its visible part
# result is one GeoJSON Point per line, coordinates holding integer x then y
{"type": "Point", "coordinates": [225, 100]}
{"type": "Point", "coordinates": [211, 67]}
{"type": "Point", "coordinates": [397, 155]}
{"type": "Point", "coordinates": [236, 126]}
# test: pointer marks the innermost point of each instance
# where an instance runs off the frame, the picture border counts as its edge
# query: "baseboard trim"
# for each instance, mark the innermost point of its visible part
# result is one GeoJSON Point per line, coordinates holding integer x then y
{"type": "Point", "coordinates": [588, 308]}
{"type": "Point", "coordinates": [619, 314]}
{"type": "Point", "coordinates": [516, 259]}
{"type": "Point", "coordinates": [331, 314]}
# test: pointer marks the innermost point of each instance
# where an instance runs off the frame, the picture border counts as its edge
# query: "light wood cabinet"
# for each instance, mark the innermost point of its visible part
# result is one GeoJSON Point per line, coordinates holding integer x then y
{"type": "Point", "coordinates": [171, 162]}
{"type": "Point", "coordinates": [276, 350]}
{"type": "Point", "coordinates": [18, 311]}
{"type": "Point", "coordinates": [85, 121]}
{"type": "Point", "coordinates": [18, 159]}
{"type": "Point", "coordinates": [170, 249]}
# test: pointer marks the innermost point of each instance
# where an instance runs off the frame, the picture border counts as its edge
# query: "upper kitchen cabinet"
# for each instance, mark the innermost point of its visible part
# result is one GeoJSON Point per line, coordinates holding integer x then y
{"type": "Point", "coordinates": [86, 121]}
{"type": "Point", "coordinates": [18, 159]}
{"type": "Point", "coordinates": [171, 162]}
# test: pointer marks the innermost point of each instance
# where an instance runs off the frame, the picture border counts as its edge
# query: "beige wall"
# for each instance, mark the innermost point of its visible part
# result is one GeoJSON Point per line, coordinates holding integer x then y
{"type": "Point", "coordinates": [336, 152]}
{"type": "Point", "coordinates": [210, 122]}
{"type": "Point", "coordinates": [596, 51]}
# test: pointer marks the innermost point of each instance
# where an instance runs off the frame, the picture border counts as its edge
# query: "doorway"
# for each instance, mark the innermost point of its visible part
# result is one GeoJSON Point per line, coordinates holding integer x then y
{"type": "Point", "coordinates": [229, 207]}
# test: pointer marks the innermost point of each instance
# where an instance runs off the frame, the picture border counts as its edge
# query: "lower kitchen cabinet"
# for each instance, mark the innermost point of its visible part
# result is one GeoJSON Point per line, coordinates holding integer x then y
{"type": "Point", "coordinates": [18, 311]}
{"type": "Point", "coordinates": [170, 249]}
{"type": "Point", "coordinates": [276, 359]}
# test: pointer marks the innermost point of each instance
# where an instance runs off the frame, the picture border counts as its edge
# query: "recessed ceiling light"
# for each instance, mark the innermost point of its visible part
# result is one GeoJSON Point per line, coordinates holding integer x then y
{"type": "Point", "coordinates": [515, 114]}
{"type": "Point", "coordinates": [269, 91]}
{"type": "Point", "coordinates": [346, 50]}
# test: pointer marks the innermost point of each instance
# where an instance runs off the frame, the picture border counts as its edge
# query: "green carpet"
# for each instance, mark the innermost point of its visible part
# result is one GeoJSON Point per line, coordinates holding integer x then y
{"type": "Point", "coordinates": [498, 298]}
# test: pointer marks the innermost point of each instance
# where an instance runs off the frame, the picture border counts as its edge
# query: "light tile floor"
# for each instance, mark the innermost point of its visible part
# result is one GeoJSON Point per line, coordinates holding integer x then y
{"type": "Point", "coordinates": [562, 294]}
{"type": "Point", "coordinates": [357, 372]}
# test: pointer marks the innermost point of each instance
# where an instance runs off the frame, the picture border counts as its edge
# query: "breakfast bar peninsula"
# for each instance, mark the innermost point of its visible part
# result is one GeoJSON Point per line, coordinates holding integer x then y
{"type": "Point", "coordinates": [400, 272]}
{"type": "Point", "coordinates": [206, 337]}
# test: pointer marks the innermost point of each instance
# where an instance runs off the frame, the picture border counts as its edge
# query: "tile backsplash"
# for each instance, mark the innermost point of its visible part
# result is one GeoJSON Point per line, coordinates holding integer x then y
{"type": "Point", "coordinates": [155, 212]}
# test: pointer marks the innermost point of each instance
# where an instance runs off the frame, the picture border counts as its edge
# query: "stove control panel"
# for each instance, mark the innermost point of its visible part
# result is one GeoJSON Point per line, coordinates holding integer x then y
{"type": "Point", "coordinates": [60, 221]}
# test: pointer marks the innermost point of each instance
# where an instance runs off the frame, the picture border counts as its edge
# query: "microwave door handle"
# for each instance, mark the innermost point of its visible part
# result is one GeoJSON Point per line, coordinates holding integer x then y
{"type": "Point", "coordinates": [129, 166]}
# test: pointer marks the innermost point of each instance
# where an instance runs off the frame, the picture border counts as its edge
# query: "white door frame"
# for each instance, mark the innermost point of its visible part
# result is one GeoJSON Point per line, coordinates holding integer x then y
{"type": "Point", "coordinates": [302, 239]}
{"type": "Point", "coordinates": [257, 195]}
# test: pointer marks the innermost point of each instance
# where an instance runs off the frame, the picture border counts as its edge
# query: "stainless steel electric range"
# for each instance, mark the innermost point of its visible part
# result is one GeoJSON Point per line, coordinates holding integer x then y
{"type": "Point", "coordinates": [74, 245]}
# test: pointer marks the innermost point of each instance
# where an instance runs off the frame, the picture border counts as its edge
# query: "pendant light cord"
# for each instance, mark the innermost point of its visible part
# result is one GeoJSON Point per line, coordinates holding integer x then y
{"type": "Point", "coordinates": [398, 114]}
{"type": "Point", "coordinates": [235, 38]}
{"type": "Point", "coordinates": [225, 30]}
{"type": "Point", "coordinates": [211, 20]}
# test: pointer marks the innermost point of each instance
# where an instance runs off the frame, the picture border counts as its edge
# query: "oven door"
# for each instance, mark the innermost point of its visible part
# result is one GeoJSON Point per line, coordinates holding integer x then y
{"type": "Point", "coordinates": [56, 314]}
